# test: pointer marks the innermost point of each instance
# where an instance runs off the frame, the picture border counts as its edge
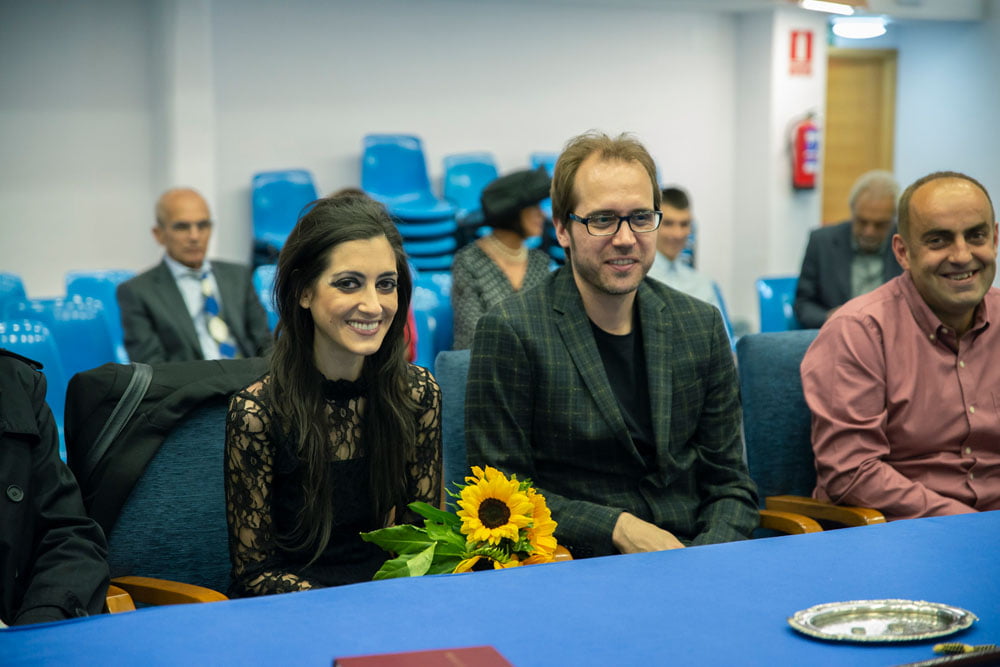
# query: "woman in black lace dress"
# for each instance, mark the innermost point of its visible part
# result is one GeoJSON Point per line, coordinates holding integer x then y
{"type": "Point", "coordinates": [342, 432]}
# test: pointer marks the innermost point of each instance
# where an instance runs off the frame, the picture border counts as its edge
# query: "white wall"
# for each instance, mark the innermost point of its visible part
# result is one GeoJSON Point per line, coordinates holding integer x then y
{"type": "Point", "coordinates": [106, 103]}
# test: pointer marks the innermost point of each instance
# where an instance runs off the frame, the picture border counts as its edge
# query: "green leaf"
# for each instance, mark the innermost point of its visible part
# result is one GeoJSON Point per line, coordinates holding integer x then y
{"type": "Point", "coordinates": [434, 514]}
{"type": "Point", "coordinates": [444, 565]}
{"type": "Point", "coordinates": [407, 565]}
{"type": "Point", "coordinates": [401, 540]}
{"type": "Point", "coordinates": [449, 542]}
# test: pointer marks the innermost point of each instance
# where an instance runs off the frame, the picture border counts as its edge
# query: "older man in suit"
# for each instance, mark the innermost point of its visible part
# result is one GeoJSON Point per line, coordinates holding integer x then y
{"type": "Point", "coordinates": [851, 258]}
{"type": "Point", "coordinates": [187, 307]}
{"type": "Point", "coordinates": [615, 394]}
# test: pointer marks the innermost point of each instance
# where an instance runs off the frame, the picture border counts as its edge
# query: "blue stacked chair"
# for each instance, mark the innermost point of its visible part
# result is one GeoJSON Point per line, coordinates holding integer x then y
{"type": "Point", "coordinates": [11, 289]}
{"type": "Point", "coordinates": [101, 284]}
{"type": "Point", "coordinates": [549, 242]}
{"type": "Point", "coordinates": [394, 172]}
{"type": "Point", "coordinates": [776, 298]}
{"type": "Point", "coordinates": [465, 176]}
{"type": "Point", "coordinates": [277, 200]}
{"type": "Point", "coordinates": [78, 325]}
{"type": "Point", "coordinates": [263, 284]}
{"type": "Point", "coordinates": [33, 339]}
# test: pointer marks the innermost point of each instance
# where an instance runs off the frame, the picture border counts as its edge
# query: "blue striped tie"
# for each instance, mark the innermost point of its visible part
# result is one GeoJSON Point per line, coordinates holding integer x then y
{"type": "Point", "coordinates": [217, 327]}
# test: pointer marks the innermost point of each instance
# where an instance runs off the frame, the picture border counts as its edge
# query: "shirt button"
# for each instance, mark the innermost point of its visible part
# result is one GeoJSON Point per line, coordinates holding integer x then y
{"type": "Point", "coordinates": [972, 409]}
{"type": "Point", "coordinates": [15, 493]}
{"type": "Point", "coordinates": [932, 336]}
{"type": "Point", "coordinates": [971, 476]}
{"type": "Point", "coordinates": [968, 450]}
{"type": "Point", "coordinates": [961, 364]}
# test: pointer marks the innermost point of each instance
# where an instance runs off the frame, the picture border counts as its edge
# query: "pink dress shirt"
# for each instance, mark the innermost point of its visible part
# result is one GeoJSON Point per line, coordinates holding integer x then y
{"type": "Point", "coordinates": [906, 418]}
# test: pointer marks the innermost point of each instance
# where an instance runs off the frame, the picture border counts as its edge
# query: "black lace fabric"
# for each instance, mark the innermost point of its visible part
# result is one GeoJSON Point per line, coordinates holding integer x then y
{"type": "Point", "coordinates": [264, 489]}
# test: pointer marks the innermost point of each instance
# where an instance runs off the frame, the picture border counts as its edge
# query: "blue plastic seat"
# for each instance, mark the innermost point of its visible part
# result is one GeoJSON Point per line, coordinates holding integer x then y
{"type": "Point", "coordinates": [33, 339]}
{"type": "Point", "coordinates": [465, 176]}
{"type": "Point", "coordinates": [263, 284]}
{"type": "Point", "coordinates": [78, 325]}
{"type": "Point", "coordinates": [11, 289]}
{"type": "Point", "coordinates": [278, 198]}
{"type": "Point", "coordinates": [430, 247]}
{"type": "Point", "coordinates": [433, 263]}
{"type": "Point", "coordinates": [427, 229]}
{"type": "Point", "coordinates": [776, 297]}
{"type": "Point", "coordinates": [101, 284]}
{"type": "Point", "coordinates": [394, 171]}
{"type": "Point", "coordinates": [544, 159]}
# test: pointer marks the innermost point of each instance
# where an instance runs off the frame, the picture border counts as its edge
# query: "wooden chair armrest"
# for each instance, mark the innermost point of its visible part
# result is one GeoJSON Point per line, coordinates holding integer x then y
{"type": "Point", "coordinates": [117, 600]}
{"type": "Point", "coordinates": [148, 590]}
{"type": "Point", "coordinates": [561, 553]}
{"type": "Point", "coordinates": [818, 509]}
{"type": "Point", "coordinates": [788, 522]}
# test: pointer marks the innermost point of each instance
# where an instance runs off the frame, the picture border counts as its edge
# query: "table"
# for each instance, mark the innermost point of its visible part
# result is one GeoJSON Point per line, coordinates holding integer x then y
{"type": "Point", "coordinates": [712, 605]}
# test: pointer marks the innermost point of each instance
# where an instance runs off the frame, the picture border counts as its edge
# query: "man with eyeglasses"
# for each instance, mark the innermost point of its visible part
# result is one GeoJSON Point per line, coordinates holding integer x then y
{"type": "Point", "coordinates": [187, 307]}
{"type": "Point", "coordinates": [615, 394]}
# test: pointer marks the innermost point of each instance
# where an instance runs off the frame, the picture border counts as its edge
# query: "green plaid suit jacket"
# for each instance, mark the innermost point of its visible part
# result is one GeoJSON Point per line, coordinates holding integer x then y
{"type": "Point", "coordinates": [539, 405]}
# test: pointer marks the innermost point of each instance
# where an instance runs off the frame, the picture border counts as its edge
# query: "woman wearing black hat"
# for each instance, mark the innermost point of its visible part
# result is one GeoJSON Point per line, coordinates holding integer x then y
{"type": "Point", "coordinates": [499, 264]}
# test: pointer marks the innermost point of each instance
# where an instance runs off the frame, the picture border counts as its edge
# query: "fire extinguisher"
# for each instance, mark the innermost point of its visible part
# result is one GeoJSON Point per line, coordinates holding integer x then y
{"type": "Point", "coordinates": [805, 153]}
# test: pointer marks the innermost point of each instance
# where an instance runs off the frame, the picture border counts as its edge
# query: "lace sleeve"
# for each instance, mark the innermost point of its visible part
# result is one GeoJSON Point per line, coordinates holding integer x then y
{"type": "Point", "coordinates": [425, 473]}
{"type": "Point", "coordinates": [249, 474]}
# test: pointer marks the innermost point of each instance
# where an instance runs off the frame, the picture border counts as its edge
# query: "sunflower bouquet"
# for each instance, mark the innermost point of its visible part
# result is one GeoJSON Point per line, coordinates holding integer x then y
{"type": "Point", "coordinates": [501, 523]}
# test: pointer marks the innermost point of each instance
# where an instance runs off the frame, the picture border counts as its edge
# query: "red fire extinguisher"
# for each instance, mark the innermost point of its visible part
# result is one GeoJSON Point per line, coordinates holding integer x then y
{"type": "Point", "coordinates": [805, 154]}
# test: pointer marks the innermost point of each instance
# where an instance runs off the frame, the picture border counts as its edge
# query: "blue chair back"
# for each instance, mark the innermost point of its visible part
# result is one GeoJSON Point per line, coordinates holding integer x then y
{"type": "Point", "coordinates": [33, 339]}
{"type": "Point", "coordinates": [263, 284]}
{"type": "Point", "coordinates": [776, 419]}
{"type": "Point", "coordinates": [11, 289]}
{"type": "Point", "coordinates": [79, 326]}
{"type": "Point", "coordinates": [776, 297]}
{"type": "Point", "coordinates": [173, 525]}
{"type": "Point", "coordinates": [394, 171]}
{"type": "Point", "coordinates": [451, 370]}
{"type": "Point", "coordinates": [465, 176]}
{"type": "Point", "coordinates": [278, 198]}
{"type": "Point", "coordinates": [543, 159]}
{"type": "Point", "coordinates": [102, 285]}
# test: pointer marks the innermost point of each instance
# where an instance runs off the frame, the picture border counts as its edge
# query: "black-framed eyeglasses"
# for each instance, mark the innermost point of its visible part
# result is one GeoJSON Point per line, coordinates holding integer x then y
{"type": "Point", "coordinates": [608, 224]}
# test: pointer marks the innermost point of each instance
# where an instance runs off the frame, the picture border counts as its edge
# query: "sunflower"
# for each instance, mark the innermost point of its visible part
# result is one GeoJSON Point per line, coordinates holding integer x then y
{"type": "Point", "coordinates": [470, 563]}
{"type": "Point", "coordinates": [540, 532]}
{"type": "Point", "coordinates": [492, 507]}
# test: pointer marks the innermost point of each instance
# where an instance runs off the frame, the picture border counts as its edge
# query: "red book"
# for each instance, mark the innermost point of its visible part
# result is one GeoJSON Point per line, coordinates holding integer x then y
{"type": "Point", "coordinates": [471, 656]}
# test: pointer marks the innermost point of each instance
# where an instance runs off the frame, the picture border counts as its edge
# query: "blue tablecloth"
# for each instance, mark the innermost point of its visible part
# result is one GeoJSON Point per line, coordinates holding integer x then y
{"type": "Point", "coordinates": [712, 605]}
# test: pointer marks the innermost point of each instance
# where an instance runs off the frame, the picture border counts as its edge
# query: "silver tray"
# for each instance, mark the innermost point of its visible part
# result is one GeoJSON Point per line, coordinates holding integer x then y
{"type": "Point", "coordinates": [881, 620]}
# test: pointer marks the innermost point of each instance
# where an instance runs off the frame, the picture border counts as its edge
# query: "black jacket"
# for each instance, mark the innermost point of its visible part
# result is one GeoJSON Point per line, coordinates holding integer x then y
{"type": "Point", "coordinates": [52, 554]}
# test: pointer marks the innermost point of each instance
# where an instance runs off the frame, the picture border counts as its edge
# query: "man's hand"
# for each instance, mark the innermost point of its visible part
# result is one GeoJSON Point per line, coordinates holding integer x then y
{"type": "Point", "coordinates": [633, 535]}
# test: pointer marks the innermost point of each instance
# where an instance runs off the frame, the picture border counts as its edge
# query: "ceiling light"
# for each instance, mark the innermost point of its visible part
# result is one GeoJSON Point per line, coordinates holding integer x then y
{"type": "Point", "coordinates": [829, 7]}
{"type": "Point", "coordinates": [864, 27]}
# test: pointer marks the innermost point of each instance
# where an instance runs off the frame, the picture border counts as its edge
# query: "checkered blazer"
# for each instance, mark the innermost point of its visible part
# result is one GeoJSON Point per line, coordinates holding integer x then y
{"type": "Point", "coordinates": [539, 405]}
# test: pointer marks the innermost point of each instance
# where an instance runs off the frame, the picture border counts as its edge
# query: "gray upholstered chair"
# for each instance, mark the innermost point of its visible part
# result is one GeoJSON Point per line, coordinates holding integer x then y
{"type": "Point", "coordinates": [777, 427]}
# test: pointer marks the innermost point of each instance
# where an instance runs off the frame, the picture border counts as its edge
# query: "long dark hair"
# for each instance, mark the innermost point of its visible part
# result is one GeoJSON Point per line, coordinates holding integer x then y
{"type": "Point", "coordinates": [388, 424]}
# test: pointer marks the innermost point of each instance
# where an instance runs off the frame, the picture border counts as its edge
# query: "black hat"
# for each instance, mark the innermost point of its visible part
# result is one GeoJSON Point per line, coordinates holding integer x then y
{"type": "Point", "coordinates": [504, 198]}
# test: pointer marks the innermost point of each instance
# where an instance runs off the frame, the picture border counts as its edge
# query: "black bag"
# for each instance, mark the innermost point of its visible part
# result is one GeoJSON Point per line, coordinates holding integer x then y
{"type": "Point", "coordinates": [117, 415]}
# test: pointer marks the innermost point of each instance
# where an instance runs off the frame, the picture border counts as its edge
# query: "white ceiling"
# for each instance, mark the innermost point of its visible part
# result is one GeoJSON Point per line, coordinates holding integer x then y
{"type": "Point", "coordinates": [938, 10]}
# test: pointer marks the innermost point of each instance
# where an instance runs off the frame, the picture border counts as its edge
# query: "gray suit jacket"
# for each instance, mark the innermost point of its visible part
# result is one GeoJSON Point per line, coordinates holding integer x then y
{"type": "Point", "coordinates": [825, 279]}
{"type": "Point", "coordinates": [157, 324]}
{"type": "Point", "coordinates": [539, 405]}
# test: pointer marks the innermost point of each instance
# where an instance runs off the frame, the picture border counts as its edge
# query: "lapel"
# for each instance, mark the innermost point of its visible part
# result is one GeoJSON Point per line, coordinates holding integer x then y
{"type": "Point", "coordinates": [229, 292]}
{"type": "Point", "coordinates": [574, 329]}
{"type": "Point", "coordinates": [843, 260]}
{"type": "Point", "coordinates": [657, 341]}
{"type": "Point", "coordinates": [173, 307]}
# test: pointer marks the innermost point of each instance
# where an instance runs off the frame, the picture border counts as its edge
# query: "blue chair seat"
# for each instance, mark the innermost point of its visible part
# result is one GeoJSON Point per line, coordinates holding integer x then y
{"type": "Point", "coordinates": [263, 284]}
{"type": "Point", "coordinates": [776, 298]}
{"type": "Point", "coordinates": [429, 229]}
{"type": "Point", "coordinates": [433, 263]}
{"type": "Point", "coordinates": [430, 247]}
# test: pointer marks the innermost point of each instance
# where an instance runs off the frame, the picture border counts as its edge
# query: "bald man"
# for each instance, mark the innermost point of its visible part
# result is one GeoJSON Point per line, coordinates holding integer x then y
{"type": "Point", "coordinates": [188, 307]}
